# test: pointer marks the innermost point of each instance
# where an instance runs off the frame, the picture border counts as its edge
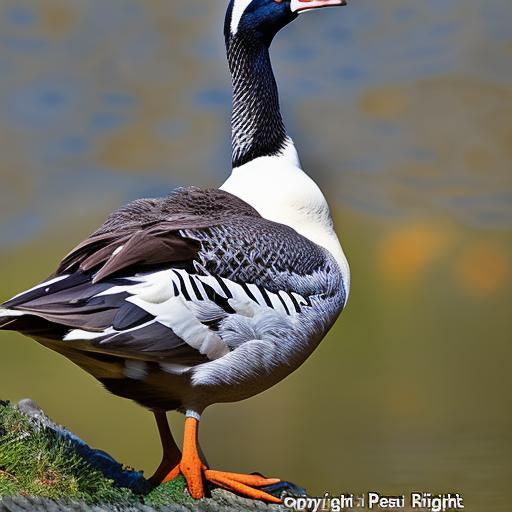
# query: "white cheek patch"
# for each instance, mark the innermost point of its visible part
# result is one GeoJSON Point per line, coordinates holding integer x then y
{"type": "Point", "coordinates": [239, 7]}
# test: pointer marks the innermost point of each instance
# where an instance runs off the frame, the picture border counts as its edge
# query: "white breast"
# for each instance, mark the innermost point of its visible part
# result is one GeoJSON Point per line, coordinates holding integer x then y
{"type": "Point", "coordinates": [281, 191]}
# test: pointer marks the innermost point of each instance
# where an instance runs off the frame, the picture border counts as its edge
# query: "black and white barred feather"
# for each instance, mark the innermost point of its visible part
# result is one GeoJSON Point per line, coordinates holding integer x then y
{"type": "Point", "coordinates": [171, 279]}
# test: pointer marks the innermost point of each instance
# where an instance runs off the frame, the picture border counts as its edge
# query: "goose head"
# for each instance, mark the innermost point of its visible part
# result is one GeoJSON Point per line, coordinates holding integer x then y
{"type": "Point", "coordinates": [262, 19]}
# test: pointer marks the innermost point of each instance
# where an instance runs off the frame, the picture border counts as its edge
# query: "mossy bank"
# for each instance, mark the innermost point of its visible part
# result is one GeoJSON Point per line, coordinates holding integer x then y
{"type": "Point", "coordinates": [44, 467]}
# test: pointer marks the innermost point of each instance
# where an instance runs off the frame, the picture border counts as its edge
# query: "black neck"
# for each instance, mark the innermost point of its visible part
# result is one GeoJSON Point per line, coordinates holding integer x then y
{"type": "Point", "coordinates": [256, 123]}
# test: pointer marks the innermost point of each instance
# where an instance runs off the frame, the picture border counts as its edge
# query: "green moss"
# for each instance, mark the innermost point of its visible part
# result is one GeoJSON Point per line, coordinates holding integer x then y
{"type": "Point", "coordinates": [35, 462]}
{"type": "Point", "coordinates": [169, 493]}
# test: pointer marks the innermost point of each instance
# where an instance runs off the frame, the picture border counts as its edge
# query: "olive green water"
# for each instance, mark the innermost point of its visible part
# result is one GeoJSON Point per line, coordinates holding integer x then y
{"type": "Point", "coordinates": [402, 112]}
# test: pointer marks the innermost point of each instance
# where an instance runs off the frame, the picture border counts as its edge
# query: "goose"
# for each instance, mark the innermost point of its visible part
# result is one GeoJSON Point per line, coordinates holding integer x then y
{"type": "Point", "coordinates": [206, 295]}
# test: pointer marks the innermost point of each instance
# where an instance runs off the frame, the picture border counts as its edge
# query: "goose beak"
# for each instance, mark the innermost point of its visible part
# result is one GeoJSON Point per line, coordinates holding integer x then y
{"type": "Point", "coordinates": [299, 6]}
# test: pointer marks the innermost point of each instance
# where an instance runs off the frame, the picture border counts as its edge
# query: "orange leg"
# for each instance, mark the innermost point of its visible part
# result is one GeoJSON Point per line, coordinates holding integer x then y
{"type": "Point", "coordinates": [194, 470]}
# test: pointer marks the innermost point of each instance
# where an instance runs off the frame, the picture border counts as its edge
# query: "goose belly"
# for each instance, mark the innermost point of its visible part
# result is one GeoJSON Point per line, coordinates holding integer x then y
{"type": "Point", "coordinates": [248, 369]}
{"type": "Point", "coordinates": [258, 364]}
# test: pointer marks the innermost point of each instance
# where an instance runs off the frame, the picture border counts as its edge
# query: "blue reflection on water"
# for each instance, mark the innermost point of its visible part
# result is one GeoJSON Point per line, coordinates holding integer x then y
{"type": "Point", "coordinates": [21, 15]}
{"type": "Point", "coordinates": [65, 94]}
{"type": "Point", "coordinates": [213, 98]}
{"type": "Point", "coordinates": [38, 103]}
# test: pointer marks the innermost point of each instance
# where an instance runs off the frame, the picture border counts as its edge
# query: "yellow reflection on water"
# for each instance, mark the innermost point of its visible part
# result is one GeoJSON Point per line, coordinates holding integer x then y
{"type": "Point", "coordinates": [483, 268]}
{"type": "Point", "coordinates": [58, 17]}
{"type": "Point", "coordinates": [406, 253]}
{"type": "Point", "coordinates": [384, 102]}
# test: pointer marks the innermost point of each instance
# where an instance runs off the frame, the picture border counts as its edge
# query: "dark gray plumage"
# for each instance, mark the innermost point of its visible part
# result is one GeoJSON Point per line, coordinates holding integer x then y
{"type": "Point", "coordinates": [205, 232]}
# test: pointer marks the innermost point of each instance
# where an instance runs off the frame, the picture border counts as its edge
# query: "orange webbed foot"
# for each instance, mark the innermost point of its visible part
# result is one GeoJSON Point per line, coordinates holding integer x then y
{"type": "Point", "coordinates": [239, 483]}
{"type": "Point", "coordinates": [195, 472]}
{"type": "Point", "coordinates": [246, 485]}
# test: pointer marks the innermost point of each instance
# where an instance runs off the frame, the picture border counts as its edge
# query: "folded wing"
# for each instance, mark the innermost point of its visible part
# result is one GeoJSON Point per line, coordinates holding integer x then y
{"type": "Point", "coordinates": [163, 279]}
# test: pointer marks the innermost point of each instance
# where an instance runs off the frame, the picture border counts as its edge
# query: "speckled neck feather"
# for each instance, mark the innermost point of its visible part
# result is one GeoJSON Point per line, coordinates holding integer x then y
{"type": "Point", "coordinates": [256, 123]}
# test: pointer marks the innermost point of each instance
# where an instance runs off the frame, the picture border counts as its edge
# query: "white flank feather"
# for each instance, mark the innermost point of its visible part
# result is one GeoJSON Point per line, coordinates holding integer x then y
{"type": "Point", "coordinates": [10, 312]}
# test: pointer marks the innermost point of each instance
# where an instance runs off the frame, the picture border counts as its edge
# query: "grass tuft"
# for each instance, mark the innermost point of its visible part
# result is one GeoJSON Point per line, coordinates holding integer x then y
{"type": "Point", "coordinates": [34, 461]}
{"type": "Point", "coordinates": [38, 460]}
{"type": "Point", "coordinates": [169, 493]}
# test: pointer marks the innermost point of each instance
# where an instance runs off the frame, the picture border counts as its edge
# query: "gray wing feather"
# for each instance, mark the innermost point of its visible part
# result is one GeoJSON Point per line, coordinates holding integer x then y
{"type": "Point", "coordinates": [202, 232]}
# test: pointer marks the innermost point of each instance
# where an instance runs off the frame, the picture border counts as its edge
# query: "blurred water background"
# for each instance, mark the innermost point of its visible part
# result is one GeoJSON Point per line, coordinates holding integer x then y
{"type": "Point", "coordinates": [402, 112]}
